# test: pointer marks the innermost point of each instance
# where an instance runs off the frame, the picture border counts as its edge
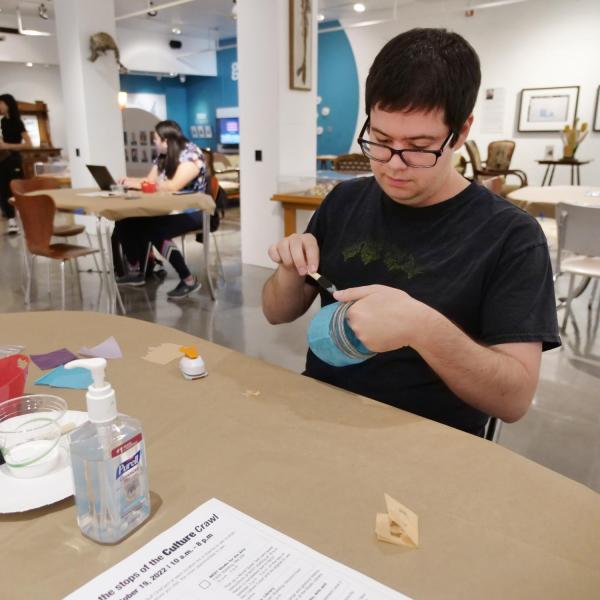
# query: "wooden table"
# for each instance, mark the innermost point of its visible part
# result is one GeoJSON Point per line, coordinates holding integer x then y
{"type": "Point", "coordinates": [139, 205]}
{"type": "Point", "coordinates": [570, 162]}
{"type": "Point", "coordinates": [323, 160]}
{"type": "Point", "coordinates": [542, 201]}
{"type": "Point", "coordinates": [313, 462]}
{"type": "Point", "coordinates": [311, 199]}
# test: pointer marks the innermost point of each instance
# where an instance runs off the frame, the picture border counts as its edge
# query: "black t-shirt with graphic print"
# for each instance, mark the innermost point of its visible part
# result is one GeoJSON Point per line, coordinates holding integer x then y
{"type": "Point", "coordinates": [476, 258]}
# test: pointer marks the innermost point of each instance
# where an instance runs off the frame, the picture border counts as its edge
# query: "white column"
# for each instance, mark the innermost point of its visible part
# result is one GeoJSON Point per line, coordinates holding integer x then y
{"type": "Point", "coordinates": [278, 121]}
{"type": "Point", "coordinates": [93, 119]}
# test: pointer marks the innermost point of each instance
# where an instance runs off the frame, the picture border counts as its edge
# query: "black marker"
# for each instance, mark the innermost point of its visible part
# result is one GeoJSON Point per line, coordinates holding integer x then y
{"type": "Point", "coordinates": [324, 282]}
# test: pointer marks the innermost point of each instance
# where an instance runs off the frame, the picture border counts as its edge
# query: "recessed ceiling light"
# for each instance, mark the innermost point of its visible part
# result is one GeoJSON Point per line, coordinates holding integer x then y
{"type": "Point", "coordinates": [320, 18]}
{"type": "Point", "coordinates": [29, 64]}
{"type": "Point", "coordinates": [359, 7]}
{"type": "Point", "coordinates": [176, 31]}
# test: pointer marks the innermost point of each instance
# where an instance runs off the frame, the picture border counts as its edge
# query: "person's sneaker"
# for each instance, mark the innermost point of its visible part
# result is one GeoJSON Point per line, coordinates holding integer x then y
{"type": "Point", "coordinates": [135, 279]}
{"type": "Point", "coordinates": [12, 228]}
{"type": "Point", "coordinates": [183, 289]}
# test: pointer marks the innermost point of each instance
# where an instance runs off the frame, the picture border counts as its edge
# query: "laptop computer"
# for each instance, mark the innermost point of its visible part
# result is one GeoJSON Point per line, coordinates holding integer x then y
{"type": "Point", "coordinates": [103, 177]}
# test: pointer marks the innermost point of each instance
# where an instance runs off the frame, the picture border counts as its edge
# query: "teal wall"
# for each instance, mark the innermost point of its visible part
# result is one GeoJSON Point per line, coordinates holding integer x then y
{"type": "Point", "coordinates": [172, 88]}
{"type": "Point", "coordinates": [337, 85]}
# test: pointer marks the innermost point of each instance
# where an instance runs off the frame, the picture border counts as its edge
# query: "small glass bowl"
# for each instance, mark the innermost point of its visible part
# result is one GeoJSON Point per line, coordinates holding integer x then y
{"type": "Point", "coordinates": [30, 432]}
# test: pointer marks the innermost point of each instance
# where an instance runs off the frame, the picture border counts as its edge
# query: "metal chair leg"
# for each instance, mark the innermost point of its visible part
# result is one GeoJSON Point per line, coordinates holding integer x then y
{"type": "Point", "coordinates": [62, 284]}
{"type": "Point", "coordinates": [78, 277]}
{"type": "Point", "coordinates": [89, 239]}
{"type": "Point", "coordinates": [568, 304]}
{"type": "Point", "coordinates": [29, 280]}
{"type": "Point", "coordinates": [218, 255]}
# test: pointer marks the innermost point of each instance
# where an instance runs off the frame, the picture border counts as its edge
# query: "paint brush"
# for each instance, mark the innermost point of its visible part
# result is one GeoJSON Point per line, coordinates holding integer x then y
{"type": "Point", "coordinates": [323, 282]}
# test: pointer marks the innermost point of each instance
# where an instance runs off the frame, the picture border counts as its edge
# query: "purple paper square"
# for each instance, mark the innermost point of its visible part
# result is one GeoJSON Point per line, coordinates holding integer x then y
{"type": "Point", "coordinates": [54, 359]}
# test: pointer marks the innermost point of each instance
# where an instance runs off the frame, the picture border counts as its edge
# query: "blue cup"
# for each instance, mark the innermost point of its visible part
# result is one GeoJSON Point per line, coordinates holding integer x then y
{"type": "Point", "coordinates": [332, 339]}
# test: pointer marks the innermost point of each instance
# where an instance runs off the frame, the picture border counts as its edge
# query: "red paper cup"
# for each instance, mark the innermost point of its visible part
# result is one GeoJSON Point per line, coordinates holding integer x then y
{"type": "Point", "coordinates": [13, 374]}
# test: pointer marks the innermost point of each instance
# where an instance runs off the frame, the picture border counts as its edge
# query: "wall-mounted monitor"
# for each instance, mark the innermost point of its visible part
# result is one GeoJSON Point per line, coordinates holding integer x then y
{"type": "Point", "coordinates": [229, 131]}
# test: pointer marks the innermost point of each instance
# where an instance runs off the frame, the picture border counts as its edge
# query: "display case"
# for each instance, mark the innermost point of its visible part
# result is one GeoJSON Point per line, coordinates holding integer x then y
{"type": "Point", "coordinates": [35, 118]}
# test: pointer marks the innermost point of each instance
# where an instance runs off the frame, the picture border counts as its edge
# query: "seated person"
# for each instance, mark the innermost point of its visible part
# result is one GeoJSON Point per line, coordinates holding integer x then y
{"type": "Point", "coordinates": [451, 285]}
{"type": "Point", "coordinates": [179, 166]}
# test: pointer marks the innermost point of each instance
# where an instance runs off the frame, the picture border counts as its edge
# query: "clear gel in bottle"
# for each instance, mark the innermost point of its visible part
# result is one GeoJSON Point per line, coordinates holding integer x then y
{"type": "Point", "coordinates": [108, 459]}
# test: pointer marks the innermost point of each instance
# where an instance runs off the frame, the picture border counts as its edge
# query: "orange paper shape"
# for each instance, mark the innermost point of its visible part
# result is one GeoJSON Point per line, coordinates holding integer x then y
{"type": "Point", "coordinates": [399, 525]}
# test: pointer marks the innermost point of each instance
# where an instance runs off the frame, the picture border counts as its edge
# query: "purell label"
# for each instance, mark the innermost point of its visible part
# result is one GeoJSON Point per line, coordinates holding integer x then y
{"type": "Point", "coordinates": [129, 464]}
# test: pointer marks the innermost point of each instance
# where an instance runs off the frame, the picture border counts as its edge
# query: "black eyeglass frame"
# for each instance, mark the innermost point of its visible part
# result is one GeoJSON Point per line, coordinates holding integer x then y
{"type": "Point", "coordinates": [400, 152]}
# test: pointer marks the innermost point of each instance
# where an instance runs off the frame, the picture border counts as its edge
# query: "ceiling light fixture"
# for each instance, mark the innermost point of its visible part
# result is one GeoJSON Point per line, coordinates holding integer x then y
{"type": "Point", "coordinates": [359, 7]}
{"type": "Point", "coordinates": [29, 64]}
{"type": "Point", "coordinates": [320, 18]}
{"type": "Point", "coordinates": [234, 10]}
{"type": "Point", "coordinates": [151, 12]}
{"type": "Point", "coordinates": [43, 11]}
{"type": "Point", "coordinates": [176, 30]}
{"type": "Point", "coordinates": [23, 31]}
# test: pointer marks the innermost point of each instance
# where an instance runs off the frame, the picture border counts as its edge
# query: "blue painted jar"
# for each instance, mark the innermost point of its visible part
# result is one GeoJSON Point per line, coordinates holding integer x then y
{"type": "Point", "coordinates": [332, 339]}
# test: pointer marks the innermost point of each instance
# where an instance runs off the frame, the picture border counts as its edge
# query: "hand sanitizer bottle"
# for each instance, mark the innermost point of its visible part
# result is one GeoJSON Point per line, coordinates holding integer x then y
{"type": "Point", "coordinates": [108, 459]}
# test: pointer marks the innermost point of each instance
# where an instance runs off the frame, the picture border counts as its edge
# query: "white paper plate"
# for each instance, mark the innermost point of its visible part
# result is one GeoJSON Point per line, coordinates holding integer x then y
{"type": "Point", "coordinates": [19, 495]}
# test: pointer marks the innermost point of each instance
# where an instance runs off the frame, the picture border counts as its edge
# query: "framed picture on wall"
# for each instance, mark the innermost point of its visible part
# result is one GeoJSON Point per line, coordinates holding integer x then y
{"type": "Point", "coordinates": [548, 109]}
{"type": "Point", "coordinates": [143, 138]}
{"type": "Point", "coordinates": [200, 131]}
{"type": "Point", "coordinates": [207, 131]}
{"type": "Point", "coordinates": [133, 138]}
{"type": "Point", "coordinates": [596, 125]}
{"type": "Point", "coordinates": [126, 156]}
{"type": "Point", "coordinates": [134, 155]}
{"type": "Point", "coordinates": [194, 131]}
{"type": "Point", "coordinates": [144, 156]}
{"type": "Point", "coordinates": [300, 44]}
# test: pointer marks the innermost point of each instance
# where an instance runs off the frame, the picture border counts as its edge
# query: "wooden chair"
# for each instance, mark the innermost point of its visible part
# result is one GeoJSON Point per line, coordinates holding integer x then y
{"type": "Point", "coordinates": [34, 184]}
{"type": "Point", "coordinates": [213, 189]}
{"type": "Point", "coordinates": [501, 151]}
{"type": "Point", "coordinates": [24, 186]}
{"type": "Point", "coordinates": [351, 162]}
{"type": "Point", "coordinates": [220, 167]}
{"type": "Point", "coordinates": [37, 218]}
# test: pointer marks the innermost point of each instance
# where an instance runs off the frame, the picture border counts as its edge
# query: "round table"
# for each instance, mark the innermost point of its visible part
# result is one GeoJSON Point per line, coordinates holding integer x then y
{"type": "Point", "coordinates": [541, 201]}
{"type": "Point", "coordinates": [312, 461]}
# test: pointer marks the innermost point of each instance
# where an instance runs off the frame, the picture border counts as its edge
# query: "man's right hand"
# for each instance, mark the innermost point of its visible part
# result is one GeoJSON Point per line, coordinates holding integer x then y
{"type": "Point", "coordinates": [299, 252]}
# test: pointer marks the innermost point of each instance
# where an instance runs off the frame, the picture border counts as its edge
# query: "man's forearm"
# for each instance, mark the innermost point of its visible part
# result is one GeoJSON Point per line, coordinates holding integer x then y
{"type": "Point", "coordinates": [285, 297]}
{"type": "Point", "coordinates": [486, 378]}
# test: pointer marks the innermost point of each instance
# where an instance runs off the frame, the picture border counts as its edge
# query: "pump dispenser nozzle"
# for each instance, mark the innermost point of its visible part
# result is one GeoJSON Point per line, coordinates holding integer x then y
{"type": "Point", "coordinates": [100, 397]}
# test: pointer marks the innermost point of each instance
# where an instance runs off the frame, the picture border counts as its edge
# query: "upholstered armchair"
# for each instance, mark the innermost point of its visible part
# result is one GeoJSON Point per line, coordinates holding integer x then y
{"type": "Point", "coordinates": [497, 164]}
{"type": "Point", "coordinates": [351, 162]}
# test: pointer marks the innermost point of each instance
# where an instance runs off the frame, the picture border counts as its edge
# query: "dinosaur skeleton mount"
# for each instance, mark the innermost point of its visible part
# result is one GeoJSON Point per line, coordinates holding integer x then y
{"type": "Point", "coordinates": [100, 44]}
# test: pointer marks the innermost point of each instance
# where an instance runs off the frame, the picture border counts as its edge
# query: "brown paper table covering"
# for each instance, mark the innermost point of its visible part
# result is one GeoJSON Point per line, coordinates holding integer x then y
{"type": "Point", "coordinates": [116, 208]}
{"type": "Point", "coordinates": [313, 462]}
{"type": "Point", "coordinates": [542, 200]}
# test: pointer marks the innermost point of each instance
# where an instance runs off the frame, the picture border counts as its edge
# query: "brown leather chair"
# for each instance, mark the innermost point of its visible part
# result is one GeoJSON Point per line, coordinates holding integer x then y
{"type": "Point", "coordinates": [37, 218]}
{"type": "Point", "coordinates": [500, 156]}
{"type": "Point", "coordinates": [351, 162]}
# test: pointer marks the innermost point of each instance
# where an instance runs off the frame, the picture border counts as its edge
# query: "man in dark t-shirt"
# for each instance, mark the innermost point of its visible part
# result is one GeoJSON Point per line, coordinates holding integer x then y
{"type": "Point", "coordinates": [452, 285]}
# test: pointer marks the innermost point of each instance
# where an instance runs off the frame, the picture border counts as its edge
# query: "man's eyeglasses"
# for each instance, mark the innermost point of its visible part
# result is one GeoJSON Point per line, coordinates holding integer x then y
{"type": "Point", "coordinates": [420, 159]}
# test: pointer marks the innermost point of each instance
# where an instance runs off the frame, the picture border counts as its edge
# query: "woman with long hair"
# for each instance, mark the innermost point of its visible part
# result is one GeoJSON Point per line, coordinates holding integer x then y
{"type": "Point", "coordinates": [14, 138]}
{"type": "Point", "coordinates": [179, 166]}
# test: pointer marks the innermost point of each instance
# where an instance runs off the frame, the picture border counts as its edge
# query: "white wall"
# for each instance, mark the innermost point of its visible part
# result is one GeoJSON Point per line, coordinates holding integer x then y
{"type": "Point", "coordinates": [539, 43]}
{"type": "Point", "coordinates": [29, 84]}
{"type": "Point", "coordinates": [150, 52]}
{"type": "Point", "coordinates": [274, 119]}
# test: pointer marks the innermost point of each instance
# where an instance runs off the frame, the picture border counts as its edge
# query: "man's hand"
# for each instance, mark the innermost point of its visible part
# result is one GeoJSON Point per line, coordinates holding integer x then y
{"type": "Point", "coordinates": [299, 252]}
{"type": "Point", "coordinates": [382, 317]}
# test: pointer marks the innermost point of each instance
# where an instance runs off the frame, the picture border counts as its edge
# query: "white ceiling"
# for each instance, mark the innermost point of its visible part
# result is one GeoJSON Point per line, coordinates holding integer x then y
{"type": "Point", "coordinates": [211, 19]}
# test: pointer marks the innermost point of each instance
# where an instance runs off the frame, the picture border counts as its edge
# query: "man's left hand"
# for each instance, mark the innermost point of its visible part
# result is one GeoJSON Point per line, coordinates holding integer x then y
{"type": "Point", "coordinates": [384, 318]}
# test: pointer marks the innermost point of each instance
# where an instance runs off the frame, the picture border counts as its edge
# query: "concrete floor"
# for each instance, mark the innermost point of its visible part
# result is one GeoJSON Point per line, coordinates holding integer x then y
{"type": "Point", "coordinates": [560, 431]}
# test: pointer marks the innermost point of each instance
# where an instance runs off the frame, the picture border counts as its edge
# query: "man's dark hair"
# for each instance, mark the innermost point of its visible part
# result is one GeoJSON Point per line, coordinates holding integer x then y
{"type": "Point", "coordinates": [426, 69]}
